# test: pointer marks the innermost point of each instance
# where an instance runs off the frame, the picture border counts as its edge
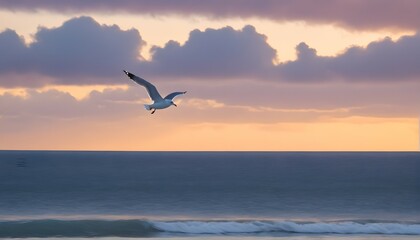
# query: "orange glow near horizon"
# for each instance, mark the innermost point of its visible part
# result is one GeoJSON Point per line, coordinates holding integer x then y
{"type": "Point", "coordinates": [349, 134]}
{"type": "Point", "coordinates": [354, 134]}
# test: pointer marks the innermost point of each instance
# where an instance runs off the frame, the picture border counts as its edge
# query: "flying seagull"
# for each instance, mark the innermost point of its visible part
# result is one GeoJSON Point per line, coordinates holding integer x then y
{"type": "Point", "coordinates": [158, 101]}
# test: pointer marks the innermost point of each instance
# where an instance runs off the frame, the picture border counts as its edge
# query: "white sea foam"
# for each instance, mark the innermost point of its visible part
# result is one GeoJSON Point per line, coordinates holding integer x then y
{"type": "Point", "coordinates": [197, 227]}
{"type": "Point", "coordinates": [145, 228]}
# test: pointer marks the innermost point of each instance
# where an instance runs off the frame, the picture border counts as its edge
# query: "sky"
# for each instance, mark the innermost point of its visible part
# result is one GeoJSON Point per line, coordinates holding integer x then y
{"type": "Point", "coordinates": [273, 75]}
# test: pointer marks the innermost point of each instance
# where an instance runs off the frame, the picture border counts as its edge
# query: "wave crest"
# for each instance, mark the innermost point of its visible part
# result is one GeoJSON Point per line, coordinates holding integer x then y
{"type": "Point", "coordinates": [141, 228]}
{"type": "Point", "coordinates": [196, 227]}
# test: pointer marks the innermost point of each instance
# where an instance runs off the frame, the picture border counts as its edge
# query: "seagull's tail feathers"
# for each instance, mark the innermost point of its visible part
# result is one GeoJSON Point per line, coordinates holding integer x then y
{"type": "Point", "coordinates": [147, 107]}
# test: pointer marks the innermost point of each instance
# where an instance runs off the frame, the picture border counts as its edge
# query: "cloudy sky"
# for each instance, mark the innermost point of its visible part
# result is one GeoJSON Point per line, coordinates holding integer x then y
{"type": "Point", "coordinates": [260, 75]}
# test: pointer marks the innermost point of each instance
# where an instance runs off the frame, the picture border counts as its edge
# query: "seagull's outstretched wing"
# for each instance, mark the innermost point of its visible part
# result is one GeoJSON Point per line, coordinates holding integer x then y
{"type": "Point", "coordinates": [174, 94]}
{"type": "Point", "coordinates": [151, 89]}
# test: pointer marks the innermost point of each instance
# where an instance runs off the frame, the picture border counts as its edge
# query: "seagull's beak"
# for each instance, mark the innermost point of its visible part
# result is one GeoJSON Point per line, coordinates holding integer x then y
{"type": "Point", "coordinates": [174, 104]}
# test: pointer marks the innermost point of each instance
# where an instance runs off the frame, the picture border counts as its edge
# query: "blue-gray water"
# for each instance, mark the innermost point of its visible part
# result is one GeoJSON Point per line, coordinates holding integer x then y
{"type": "Point", "coordinates": [178, 194]}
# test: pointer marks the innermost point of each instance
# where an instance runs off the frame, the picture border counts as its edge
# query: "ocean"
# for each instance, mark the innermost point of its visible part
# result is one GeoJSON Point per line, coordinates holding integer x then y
{"type": "Point", "coordinates": [210, 195]}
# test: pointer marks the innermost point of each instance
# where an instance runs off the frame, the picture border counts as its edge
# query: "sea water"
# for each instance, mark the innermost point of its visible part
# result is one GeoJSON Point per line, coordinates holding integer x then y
{"type": "Point", "coordinates": [210, 195]}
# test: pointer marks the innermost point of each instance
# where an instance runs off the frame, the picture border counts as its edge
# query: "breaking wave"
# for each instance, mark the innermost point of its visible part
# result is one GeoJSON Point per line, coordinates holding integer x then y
{"type": "Point", "coordinates": [142, 228]}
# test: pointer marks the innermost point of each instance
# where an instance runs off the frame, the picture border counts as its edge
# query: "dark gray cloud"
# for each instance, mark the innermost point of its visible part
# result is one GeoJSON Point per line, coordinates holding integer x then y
{"type": "Point", "coordinates": [383, 60]}
{"type": "Point", "coordinates": [82, 47]}
{"type": "Point", "coordinates": [224, 53]}
{"type": "Point", "coordinates": [307, 67]}
{"type": "Point", "coordinates": [355, 14]}
{"type": "Point", "coordinates": [13, 52]}
{"type": "Point", "coordinates": [81, 51]}
{"type": "Point", "coordinates": [380, 61]}
{"type": "Point", "coordinates": [227, 53]}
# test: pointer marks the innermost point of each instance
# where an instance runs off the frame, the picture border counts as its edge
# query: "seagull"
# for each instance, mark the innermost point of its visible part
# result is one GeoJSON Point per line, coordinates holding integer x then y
{"type": "Point", "coordinates": [158, 101]}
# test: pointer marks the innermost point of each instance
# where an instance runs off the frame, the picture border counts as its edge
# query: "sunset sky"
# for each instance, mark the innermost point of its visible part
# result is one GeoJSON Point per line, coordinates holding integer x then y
{"type": "Point", "coordinates": [286, 75]}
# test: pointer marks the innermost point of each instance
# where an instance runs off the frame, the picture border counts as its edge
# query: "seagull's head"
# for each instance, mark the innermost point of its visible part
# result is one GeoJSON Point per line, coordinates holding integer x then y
{"type": "Point", "coordinates": [172, 103]}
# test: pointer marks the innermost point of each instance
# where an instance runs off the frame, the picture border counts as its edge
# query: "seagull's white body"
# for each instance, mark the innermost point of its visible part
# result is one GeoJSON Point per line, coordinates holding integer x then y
{"type": "Point", "coordinates": [158, 101]}
{"type": "Point", "coordinates": [159, 105]}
